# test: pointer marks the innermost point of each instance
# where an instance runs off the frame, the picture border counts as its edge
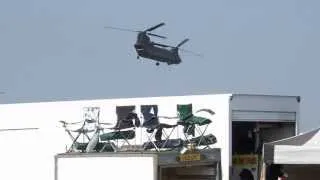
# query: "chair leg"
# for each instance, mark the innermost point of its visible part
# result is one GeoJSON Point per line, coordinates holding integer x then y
{"type": "Point", "coordinates": [202, 136]}
{"type": "Point", "coordinates": [201, 133]}
{"type": "Point", "coordinates": [167, 137]}
{"type": "Point", "coordinates": [74, 141]}
{"type": "Point", "coordinates": [185, 133]}
{"type": "Point", "coordinates": [125, 139]}
{"type": "Point", "coordinates": [151, 141]}
{"type": "Point", "coordinates": [115, 149]}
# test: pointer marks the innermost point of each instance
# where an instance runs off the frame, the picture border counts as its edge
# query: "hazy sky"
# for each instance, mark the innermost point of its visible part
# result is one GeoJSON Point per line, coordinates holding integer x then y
{"type": "Point", "coordinates": [59, 50]}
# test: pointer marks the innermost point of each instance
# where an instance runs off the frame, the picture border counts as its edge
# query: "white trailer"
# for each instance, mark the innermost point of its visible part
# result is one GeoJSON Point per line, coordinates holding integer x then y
{"type": "Point", "coordinates": [266, 117]}
{"type": "Point", "coordinates": [136, 165]}
{"type": "Point", "coordinates": [106, 166]}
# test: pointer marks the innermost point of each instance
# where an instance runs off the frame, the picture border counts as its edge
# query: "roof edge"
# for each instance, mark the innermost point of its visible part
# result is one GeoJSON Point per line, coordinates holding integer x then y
{"type": "Point", "coordinates": [139, 97]}
{"type": "Point", "coordinates": [293, 137]}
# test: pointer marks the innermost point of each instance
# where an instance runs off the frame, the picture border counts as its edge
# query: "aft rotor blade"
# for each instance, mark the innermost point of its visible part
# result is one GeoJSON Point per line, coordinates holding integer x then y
{"type": "Point", "coordinates": [155, 27]}
{"type": "Point", "coordinates": [191, 52]}
{"type": "Point", "coordinates": [121, 29]}
{"type": "Point", "coordinates": [151, 34]}
{"type": "Point", "coordinates": [182, 42]}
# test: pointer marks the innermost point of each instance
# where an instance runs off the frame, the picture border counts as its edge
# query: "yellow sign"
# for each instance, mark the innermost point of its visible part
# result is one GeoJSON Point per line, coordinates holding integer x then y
{"type": "Point", "coordinates": [245, 159]}
{"type": "Point", "coordinates": [190, 157]}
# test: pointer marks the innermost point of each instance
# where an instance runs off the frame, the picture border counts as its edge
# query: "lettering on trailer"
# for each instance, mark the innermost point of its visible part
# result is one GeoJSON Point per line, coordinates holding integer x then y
{"type": "Point", "coordinates": [190, 157]}
{"type": "Point", "coordinates": [245, 159]}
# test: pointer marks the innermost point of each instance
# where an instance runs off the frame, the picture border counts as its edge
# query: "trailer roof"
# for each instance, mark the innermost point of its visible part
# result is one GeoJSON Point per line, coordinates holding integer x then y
{"type": "Point", "coordinates": [142, 97]}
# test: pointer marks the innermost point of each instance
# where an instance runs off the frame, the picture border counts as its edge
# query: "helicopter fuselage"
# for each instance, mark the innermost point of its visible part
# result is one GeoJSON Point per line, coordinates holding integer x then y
{"type": "Point", "coordinates": [146, 49]}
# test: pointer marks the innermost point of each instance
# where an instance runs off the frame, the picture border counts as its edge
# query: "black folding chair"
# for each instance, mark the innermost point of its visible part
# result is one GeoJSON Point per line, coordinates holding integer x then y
{"type": "Point", "coordinates": [125, 128]}
{"type": "Point", "coordinates": [156, 130]}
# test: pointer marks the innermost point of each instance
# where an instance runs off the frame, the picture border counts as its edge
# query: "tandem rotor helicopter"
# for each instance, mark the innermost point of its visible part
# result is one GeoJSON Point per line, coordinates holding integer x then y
{"type": "Point", "coordinates": [145, 48]}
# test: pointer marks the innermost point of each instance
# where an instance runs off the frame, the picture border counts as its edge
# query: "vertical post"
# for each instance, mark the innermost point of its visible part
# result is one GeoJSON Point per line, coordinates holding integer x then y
{"type": "Point", "coordinates": [263, 172]}
{"type": "Point", "coordinates": [55, 167]}
{"type": "Point", "coordinates": [263, 168]}
{"type": "Point", "coordinates": [218, 170]}
{"type": "Point", "coordinates": [160, 173]}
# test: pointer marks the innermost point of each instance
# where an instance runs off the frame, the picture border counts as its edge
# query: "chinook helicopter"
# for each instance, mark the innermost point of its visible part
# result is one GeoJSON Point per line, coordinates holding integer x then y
{"type": "Point", "coordinates": [145, 48]}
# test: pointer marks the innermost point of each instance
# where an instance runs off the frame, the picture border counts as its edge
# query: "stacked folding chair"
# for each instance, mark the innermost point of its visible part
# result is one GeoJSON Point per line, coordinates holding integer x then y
{"type": "Point", "coordinates": [125, 128]}
{"type": "Point", "coordinates": [86, 127]}
{"type": "Point", "coordinates": [195, 124]}
{"type": "Point", "coordinates": [75, 145]}
{"type": "Point", "coordinates": [156, 130]}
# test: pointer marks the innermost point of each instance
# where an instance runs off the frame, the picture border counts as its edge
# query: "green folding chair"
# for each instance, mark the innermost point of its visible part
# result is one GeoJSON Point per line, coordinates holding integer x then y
{"type": "Point", "coordinates": [192, 124]}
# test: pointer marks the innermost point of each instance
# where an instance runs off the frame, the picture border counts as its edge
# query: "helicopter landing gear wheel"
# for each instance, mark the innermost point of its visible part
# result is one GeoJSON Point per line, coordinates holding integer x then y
{"type": "Point", "coordinates": [157, 63]}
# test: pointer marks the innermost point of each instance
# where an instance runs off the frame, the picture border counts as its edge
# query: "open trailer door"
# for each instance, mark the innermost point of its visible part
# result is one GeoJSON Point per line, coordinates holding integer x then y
{"type": "Point", "coordinates": [120, 166]}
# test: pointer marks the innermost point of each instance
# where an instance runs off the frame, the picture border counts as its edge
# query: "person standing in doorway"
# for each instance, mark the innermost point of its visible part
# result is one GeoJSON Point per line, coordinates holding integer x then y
{"type": "Point", "coordinates": [246, 174]}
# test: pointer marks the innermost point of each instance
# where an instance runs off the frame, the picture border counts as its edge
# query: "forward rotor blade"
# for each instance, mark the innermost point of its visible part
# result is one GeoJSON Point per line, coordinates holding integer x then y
{"type": "Point", "coordinates": [151, 34]}
{"type": "Point", "coordinates": [155, 27]}
{"type": "Point", "coordinates": [121, 29]}
{"type": "Point", "coordinates": [182, 42]}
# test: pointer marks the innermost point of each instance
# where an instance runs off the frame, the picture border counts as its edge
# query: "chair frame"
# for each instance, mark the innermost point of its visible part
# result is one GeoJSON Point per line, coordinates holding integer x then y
{"type": "Point", "coordinates": [198, 128]}
{"type": "Point", "coordinates": [158, 129]}
{"type": "Point", "coordinates": [116, 129]}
